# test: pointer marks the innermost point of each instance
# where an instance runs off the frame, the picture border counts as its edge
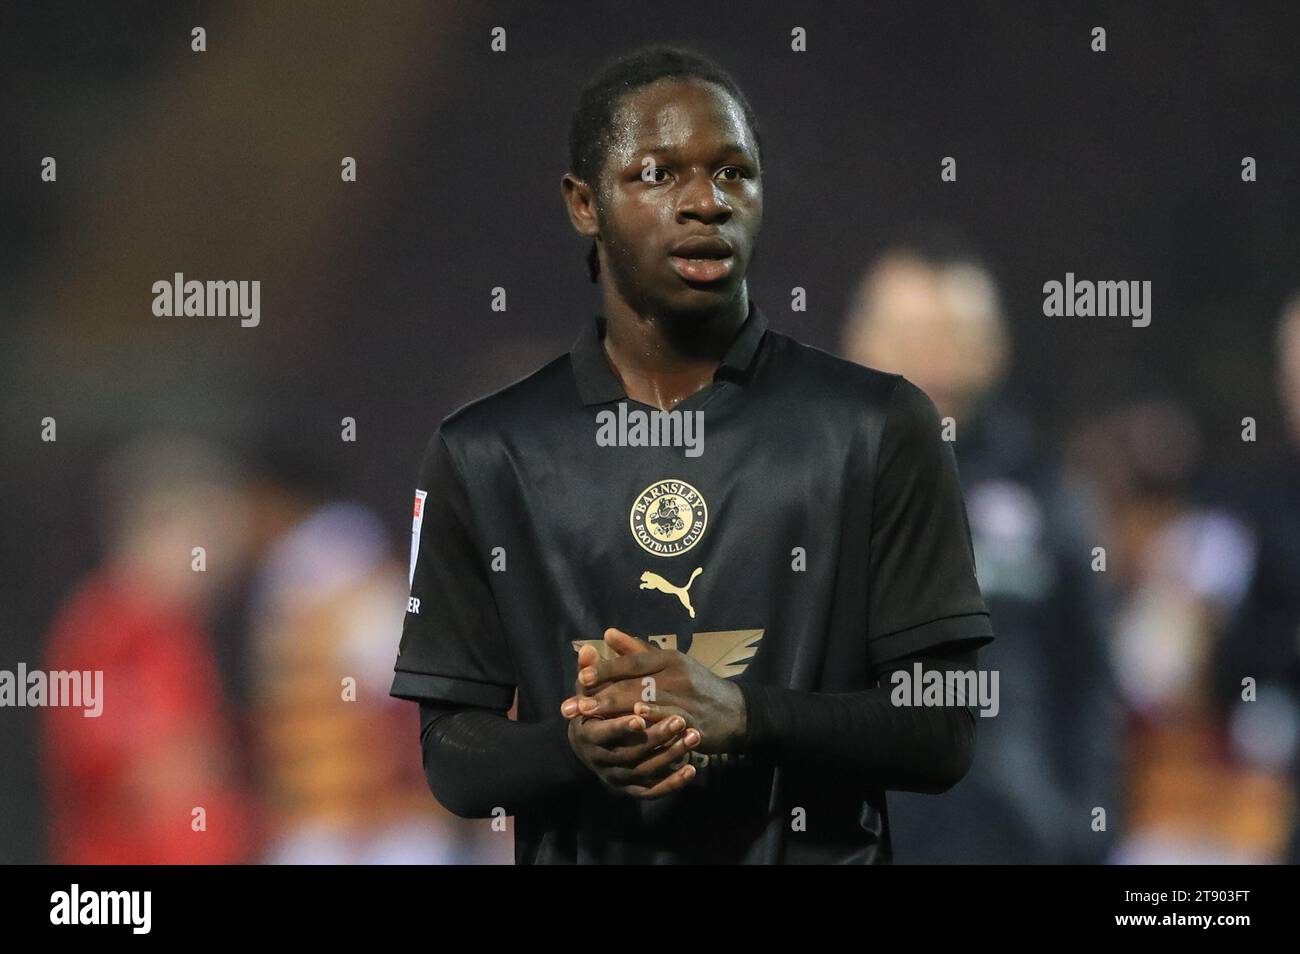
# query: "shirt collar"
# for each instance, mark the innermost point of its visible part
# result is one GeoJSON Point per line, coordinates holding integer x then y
{"type": "Point", "coordinates": [598, 384]}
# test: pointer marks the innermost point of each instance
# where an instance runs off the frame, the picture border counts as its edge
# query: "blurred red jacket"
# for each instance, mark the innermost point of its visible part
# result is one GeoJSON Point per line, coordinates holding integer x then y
{"type": "Point", "coordinates": [151, 779]}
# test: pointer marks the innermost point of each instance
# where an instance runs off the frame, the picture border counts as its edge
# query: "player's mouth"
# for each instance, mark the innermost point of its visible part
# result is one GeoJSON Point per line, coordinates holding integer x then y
{"type": "Point", "coordinates": [702, 259]}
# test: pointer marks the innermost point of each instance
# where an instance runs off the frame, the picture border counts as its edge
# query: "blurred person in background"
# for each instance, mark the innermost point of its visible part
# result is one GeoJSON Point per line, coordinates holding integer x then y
{"type": "Point", "coordinates": [1263, 642]}
{"type": "Point", "coordinates": [333, 748]}
{"type": "Point", "coordinates": [126, 787]}
{"type": "Point", "coordinates": [928, 309]}
{"type": "Point", "coordinates": [1180, 568]}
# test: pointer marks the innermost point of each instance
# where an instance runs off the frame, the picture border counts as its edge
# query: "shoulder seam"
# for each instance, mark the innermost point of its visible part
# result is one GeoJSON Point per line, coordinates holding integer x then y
{"type": "Point", "coordinates": [484, 398]}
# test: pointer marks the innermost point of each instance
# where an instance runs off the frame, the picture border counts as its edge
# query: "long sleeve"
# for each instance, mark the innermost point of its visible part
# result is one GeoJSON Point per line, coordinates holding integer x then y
{"type": "Point", "coordinates": [477, 760]}
{"type": "Point", "coordinates": [864, 735]}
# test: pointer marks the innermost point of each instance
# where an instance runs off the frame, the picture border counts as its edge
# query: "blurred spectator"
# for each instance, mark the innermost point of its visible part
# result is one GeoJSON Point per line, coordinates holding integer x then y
{"type": "Point", "coordinates": [928, 309]}
{"type": "Point", "coordinates": [338, 760]}
{"type": "Point", "coordinates": [124, 787]}
{"type": "Point", "coordinates": [1181, 568]}
{"type": "Point", "coordinates": [1264, 641]}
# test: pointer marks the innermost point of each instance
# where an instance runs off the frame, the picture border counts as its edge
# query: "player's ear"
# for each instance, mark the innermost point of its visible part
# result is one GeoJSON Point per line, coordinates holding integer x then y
{"type": "Point", "coordinates": [580, 202]}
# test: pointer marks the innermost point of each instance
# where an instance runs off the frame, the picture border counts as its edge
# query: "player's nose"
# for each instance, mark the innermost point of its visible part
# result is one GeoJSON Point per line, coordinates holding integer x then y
{"type": "Point", "coordinates": [701, 200]}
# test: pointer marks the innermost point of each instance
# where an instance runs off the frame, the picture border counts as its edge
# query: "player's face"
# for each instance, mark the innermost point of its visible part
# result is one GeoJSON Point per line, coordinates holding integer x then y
{"type": "Point", "coordinates": [683, 197]}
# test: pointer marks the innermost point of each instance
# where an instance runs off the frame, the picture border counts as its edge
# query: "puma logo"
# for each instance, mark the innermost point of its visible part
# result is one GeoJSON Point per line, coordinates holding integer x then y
{"type": "Point", "coordinates": [653, 581]}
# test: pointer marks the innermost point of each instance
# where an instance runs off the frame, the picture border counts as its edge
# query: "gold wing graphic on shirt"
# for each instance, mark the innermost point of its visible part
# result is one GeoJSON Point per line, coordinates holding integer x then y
{"type": "Point", "coordinates": [602, 648]}
{"type": "Point", "coordinates": [726, 653]}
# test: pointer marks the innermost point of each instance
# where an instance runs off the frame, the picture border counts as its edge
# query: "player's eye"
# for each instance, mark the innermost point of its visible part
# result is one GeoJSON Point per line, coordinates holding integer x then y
{"type": "Point", "coordinates": [652, 172]}
{"type": "Point", "coordinates": [739, 173]}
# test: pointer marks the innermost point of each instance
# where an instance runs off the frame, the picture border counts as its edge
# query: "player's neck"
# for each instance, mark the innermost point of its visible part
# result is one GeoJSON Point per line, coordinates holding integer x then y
{"type": "Point", "coordinates": [660, 359]}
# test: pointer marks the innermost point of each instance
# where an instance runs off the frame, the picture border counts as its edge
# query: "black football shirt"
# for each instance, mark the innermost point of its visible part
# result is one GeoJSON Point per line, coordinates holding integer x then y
{"type": "Point", "coordinates": [817, 533]}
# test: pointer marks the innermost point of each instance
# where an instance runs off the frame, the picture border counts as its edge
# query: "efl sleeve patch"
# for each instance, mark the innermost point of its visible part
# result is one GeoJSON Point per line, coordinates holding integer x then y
{"type": "Point", "coordinates": [453, 646]}
{"type": "Point", "coordinates": [416, 520]}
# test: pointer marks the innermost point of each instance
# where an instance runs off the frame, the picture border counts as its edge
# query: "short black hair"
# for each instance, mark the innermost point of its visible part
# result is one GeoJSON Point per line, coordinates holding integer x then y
{"type": "Point", "coordinates": [589, 131]}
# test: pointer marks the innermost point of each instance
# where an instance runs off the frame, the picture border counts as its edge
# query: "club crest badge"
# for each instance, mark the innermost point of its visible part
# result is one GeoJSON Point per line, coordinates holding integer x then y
{"type": "Point", "coordinates": [669, 517]}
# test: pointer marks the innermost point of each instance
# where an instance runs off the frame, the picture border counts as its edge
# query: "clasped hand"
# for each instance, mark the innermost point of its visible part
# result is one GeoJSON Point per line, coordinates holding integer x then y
{"type": "Point", "coordinates": [634, 719]}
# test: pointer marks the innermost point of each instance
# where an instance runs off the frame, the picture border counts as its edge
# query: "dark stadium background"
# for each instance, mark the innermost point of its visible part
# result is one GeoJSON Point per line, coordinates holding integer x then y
{"type": "Point", "coordinates": [376, 294]}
